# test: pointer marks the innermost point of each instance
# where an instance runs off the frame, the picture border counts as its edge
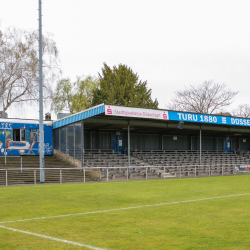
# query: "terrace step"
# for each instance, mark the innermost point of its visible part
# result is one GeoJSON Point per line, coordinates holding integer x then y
{"type": "Point", "coordinates": [31, 176]}
{"type": "Point", "coordinates": [168, 175]}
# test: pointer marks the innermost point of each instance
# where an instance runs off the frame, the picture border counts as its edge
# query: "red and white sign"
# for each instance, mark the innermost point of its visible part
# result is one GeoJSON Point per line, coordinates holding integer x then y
{"type": "Point", "coordinates": [136, 112]}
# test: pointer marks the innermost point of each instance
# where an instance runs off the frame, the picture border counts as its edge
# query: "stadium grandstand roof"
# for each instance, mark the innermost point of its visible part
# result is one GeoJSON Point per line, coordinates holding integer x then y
{"type": "Point", "coordinates": [135, 113]}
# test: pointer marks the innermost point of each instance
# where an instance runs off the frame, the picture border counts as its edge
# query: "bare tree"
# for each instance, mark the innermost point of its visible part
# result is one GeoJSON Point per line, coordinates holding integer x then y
{"type": "Point", "coordinates": [206, 98]}
{"type": "Point", "coordinates": [19, 80]}
{"type": "Point", "coordinates": [242, 111]}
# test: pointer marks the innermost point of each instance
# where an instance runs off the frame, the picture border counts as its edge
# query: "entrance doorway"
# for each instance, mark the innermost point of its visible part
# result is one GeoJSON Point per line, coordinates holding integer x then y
{"type": "Point", "coordinates": [227, 145]}
{"type": "Point", "coordinates": [118, 143]}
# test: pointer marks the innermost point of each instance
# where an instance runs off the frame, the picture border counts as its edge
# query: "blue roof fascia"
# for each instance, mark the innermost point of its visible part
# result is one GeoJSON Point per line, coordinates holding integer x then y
{"type": "Point", "coordinates": [208, 119]}
{"type": "Point", "coordinates": [79, 116]}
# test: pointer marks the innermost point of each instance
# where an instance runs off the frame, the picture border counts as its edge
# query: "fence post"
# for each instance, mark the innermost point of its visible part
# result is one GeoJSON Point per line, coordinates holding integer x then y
{"type": "Point", "coordinates": [222, 170]}
{"type": "Point", "coordinates": [60, 176]}
{"type": "Point", "coordinates": [164, 173]}
{"type": "Point", "coordinates": [127, 173]}
{"type": "Point", "coordinates": [35, 176]}
{"type": "Point", "coordinates": [195, 171]}
{"type": "Point", "coordinates": [107, 174]}
{"type": "Point", "coordinates": [6, 177]}
{"type": "Point", "coordinates": [180, 172]}
{"type": "Point", "coordinates": [209, 171]}
{"type": "Point", "coordinates": [84, 175]}
{"type": "Point", "coordinates": [146, 173]}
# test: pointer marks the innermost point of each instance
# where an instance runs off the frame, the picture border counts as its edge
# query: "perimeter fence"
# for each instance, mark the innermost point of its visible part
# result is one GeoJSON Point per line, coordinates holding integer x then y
{"type": "Point", "coordinates": [31, 176]}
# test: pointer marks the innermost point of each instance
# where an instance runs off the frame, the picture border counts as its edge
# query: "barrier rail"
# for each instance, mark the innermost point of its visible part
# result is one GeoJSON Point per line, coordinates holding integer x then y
{"type": "Point", "coordinates": [159, 152]}
{"type": "Point", "coordinates": [14, 156]}
{"type": "Point", "coordinates": [13, 176]}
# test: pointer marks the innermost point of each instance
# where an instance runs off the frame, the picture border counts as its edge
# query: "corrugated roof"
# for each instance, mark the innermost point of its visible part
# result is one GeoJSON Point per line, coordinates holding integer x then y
{"type": "Point", "coordinates": [171, 116]}
{"type": "Point", "coordinates": [79, 116]}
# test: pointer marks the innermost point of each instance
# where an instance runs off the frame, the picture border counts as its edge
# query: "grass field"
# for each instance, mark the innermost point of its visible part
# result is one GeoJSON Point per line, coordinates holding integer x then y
{"type": "Point", "coordinates": [194, 213]}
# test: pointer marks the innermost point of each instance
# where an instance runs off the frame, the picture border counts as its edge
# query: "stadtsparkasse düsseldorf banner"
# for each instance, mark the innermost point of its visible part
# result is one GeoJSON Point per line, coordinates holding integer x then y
{"type": "Point", "coordinates": [175, 116]}
{"type": "Point", "coordinates": [136, 112]}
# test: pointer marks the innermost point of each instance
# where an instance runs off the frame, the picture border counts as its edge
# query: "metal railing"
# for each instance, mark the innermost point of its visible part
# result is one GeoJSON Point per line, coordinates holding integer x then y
{"type": "Point", "coordinates": [14, 156]}
{"type": "Point", "coordinates": [178, 152]}
{"type": "Point", "coordinates": [13, 176]}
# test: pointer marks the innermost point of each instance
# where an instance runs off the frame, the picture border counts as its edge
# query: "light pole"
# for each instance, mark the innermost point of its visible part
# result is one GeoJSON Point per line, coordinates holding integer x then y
{"type": "Point", "coordinates": [41, 132]}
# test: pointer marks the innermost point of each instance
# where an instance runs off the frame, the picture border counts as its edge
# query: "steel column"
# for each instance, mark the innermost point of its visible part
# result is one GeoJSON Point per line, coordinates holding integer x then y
{"type": "Point", "coordinates": [128, 147]}
{"type": "Point", "coordinates": [66, 140]}
{"type": "Point", "coordinates": [82, 141]}
{"type": "Point", "coordinates": [200, 147]}
{"type": "Point", "coordinates": [74, 140]}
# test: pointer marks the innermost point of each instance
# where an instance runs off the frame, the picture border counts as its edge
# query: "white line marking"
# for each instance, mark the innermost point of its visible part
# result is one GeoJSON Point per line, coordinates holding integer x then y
{"type": "Point", "coordinates": [52, 238]}
{"type": "Point", "coordinates": [125, 208]}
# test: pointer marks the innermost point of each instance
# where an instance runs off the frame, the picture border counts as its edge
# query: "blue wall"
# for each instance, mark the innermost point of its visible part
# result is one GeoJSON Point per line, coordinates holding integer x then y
{"type": "Point", "coordinates": [28, 145]}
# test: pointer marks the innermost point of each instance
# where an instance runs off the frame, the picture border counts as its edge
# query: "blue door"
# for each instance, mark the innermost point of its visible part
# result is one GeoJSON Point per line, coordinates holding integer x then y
{"type": "Point", "coordinates": [227, 145]}
{"type": "Point", "coordinates": [118, 143]}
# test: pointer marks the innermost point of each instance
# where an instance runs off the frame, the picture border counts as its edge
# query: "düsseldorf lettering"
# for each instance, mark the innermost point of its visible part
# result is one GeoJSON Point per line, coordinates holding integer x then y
{"type": "Point", "coordinates": [238, 121]}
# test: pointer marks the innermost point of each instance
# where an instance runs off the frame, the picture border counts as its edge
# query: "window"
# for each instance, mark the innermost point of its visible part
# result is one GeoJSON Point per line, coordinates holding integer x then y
{"type": "Point", "coordinates": [33, 137]}
{"type": "Point", "coordinates": [18, 134]}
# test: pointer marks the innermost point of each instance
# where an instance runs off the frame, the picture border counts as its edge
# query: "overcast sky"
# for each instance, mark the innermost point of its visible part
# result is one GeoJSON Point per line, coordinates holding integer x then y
{"type": "Point", "coordinates": [169, 43]}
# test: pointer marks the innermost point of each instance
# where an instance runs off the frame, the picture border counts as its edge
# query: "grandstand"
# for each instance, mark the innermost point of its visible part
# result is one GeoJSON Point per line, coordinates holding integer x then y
{"type": "Point", "coordinates": [157, 142]}
{"type": "Point", "coordinates": [130, 143]}
{"type": "Point", "coordinates": [163, 163]}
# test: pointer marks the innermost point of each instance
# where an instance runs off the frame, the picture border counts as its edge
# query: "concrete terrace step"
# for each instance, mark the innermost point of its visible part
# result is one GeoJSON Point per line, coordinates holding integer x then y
{"type": "Point", "coordinates": [15, 177]}
{"type": "Point", "coordinates": [31, 176]}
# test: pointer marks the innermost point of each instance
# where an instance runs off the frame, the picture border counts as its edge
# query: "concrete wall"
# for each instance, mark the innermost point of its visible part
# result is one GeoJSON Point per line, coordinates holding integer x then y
{"type": "Point", "coordinates": [76, 163]}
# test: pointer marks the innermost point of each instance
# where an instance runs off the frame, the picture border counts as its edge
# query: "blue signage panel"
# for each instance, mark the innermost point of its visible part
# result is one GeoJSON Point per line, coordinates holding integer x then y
{"type": "Point", "coordinates": [210, 119]}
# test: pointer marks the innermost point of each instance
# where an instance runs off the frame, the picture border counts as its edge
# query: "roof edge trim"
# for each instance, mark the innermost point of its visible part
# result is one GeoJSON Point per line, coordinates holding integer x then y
{"type": "Point", "coordinates": [96, 110]}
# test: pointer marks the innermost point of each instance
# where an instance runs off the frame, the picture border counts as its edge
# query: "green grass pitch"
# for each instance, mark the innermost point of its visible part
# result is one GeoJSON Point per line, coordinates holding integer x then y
{"type": "Point", "coordinates": [192, 213]}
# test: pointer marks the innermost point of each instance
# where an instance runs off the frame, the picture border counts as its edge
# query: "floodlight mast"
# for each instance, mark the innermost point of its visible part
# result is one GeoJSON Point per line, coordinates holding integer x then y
{"type": "Point", "coordinates": [41, 132]}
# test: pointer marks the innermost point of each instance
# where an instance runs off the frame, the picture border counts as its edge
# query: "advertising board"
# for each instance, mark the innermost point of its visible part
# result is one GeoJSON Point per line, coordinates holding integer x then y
{"type": "Point", "coordinates": [174, 116]}
{"type": "Point", "coordinates": [136, 112]}
{"type": "Point", "coordinates": [211, 119]}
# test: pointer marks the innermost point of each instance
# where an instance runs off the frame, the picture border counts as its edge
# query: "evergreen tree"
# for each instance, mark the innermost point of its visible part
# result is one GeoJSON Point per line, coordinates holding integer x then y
{"type": "Point", "coordinates": [121, 86]}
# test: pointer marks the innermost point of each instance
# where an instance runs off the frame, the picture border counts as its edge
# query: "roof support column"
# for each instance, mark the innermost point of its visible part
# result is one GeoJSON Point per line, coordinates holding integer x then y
{"type": "Point", "coordinates": [128, 147]}
{"type": "Point", "coordinates": [67, 150]}
{"type": "Point", "coordinates": [74, 140]}
{"type": "Point", "coordinates": [82, 142]}
{"type": "Point", "coordinates": [200, 147]}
